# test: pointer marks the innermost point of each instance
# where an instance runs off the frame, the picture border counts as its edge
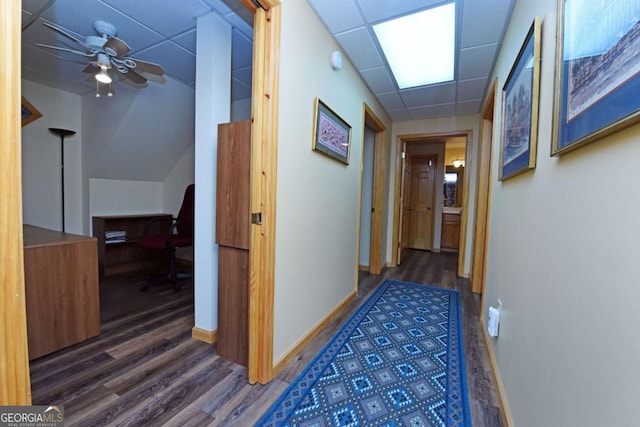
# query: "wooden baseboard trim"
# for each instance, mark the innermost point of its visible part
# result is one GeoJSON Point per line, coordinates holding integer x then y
{"type": "Point", "coordinates": [281, 363]}
{"type": "Point", "coordinates": [210, 337]}
{"type": "Point", "coordinates": [504, 408]}
{"type": "Point", "coordinates": [363, 267]}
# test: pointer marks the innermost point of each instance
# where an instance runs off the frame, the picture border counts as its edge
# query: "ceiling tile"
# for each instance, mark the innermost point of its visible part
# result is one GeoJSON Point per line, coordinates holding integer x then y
{"type": "Point", "coordinates": [338, 15]}
{"type": "Point", "coordinates": [78, 16]}
{"type": "Point", "coordinates": [390, 101]}
{"type": "Point", "coordinates": [38, 33]}
{"type": "Point", "coordinates": [442, 110]}
{"type": "Point", "coordinates": [471, 89]}
{"type": "Point", "coordinates": [468, 107]}
{"type": "Point", "coordinates": [25, 16]}
{"type": "Point", "coordinates": [242, 49]}
{"type": "Point", "coordinates": [219, 6]}
{"type": "Point", "coordinates": [476, 62]}
{"type": "Point", "coordinates": [399, 115]}
{"type": "Point", "coordinates": [376, 10]}
{"type": "Point", "coordinates": [360, 48]}
{"type": "Point", "coordinates": [378, 80]}
{"type": "Point", "coordinates": [33, 5]}
{"type": "Point", "coordinates": [153, 13]}
{"type": "Point", "coordinates": [176, 61]}
{"type": "Point", "coordinates": [243, 75]}
{"type": "Point", "coordinates": [240, 25]}
{"type": "Point", "coordinates": [187, 40]}
{"type": "Point", "coordinates": [483, 21]}
{"type": "Point", "coordinates": [429, 95]}
{"type": "Point", "coordinates": [239, 90]}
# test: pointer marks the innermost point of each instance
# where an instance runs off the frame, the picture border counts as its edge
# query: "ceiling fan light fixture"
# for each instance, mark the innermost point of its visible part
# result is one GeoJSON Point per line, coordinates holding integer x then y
{"type": "Point", "coordinates": [103, 77]}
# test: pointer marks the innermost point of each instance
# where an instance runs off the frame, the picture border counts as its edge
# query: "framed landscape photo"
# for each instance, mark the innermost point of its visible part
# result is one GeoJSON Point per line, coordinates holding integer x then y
{"type": "Point", "coordinates": [597, 78]}
{"type": "Point", "coordinates": [29, 112]}
{"type": "Point", "coordinates": [520, 108]}
{"type": "Point", "coordinates": [331, 134]}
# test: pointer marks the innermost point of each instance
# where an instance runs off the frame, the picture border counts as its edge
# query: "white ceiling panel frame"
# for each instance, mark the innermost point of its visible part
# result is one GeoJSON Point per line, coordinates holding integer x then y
{"type": "Point", "coordinates": [429, 95]}
{"type": "Point", "coordinates": [375, 11]}
{"type": "Point", "coordinates": [471, 89]}
{"type": "Point", "coordinates": [391, 101]}
{"type": "Point", "coordinates": [476, 62]}
{"type": "Point", "coordinates": [378, 80]}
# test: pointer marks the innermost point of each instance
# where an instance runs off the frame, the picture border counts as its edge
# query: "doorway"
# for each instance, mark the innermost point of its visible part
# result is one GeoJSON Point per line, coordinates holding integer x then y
{"type": "Point", "coordinates": [371, 194]}
{"type": "Point", "coordinates": [409, 146]}
{"type": "Point", "coordinates": [420, 188]}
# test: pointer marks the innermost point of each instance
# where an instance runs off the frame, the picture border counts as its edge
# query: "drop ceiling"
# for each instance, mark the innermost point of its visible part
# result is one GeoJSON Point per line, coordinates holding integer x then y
{"type": "Point", "coordinates": [164, 31]}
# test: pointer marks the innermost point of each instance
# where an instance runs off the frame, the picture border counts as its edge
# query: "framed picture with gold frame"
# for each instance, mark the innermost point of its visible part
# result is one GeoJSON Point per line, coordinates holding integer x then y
{"type": "Point", "coordinates": [597, 76]}
{"type": "Point", "coordinates": [520, 96]}
{"type": "Point", "coordinates": [29, 112]}
{"type": "Point", "coordinates": [331, 134]}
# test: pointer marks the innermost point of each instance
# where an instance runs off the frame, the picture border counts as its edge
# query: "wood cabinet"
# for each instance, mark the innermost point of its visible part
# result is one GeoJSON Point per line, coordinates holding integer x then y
{"type": "Point", "coordinates": [126, 257]}
{"type": "Point", "coordinates": [232, 236]}
{"type": "Point", "coordinates": [450, 231]}
{"type": "Point", "coordinates": [61, 287]}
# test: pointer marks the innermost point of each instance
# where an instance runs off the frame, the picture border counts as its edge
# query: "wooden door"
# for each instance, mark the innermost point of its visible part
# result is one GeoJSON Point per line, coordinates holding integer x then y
{"type": "Point", "coordinates": [405, 205]}
{"type": "Point", "coordinates": [423, 172]}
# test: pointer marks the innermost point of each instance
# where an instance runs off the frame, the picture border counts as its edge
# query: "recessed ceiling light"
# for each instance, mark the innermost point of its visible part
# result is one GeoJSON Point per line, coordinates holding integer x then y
{"type": "Point", "coordinates": [420, 47]}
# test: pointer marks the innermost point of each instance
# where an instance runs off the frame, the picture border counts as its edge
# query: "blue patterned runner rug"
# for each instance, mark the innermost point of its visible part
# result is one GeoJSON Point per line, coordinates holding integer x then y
{"type": "Point", "coordinates": [398, 361]}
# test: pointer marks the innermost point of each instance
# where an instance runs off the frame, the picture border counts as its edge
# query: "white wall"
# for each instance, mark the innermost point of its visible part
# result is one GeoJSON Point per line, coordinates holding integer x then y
{"type": "Point", "coordinates": [41, 161]}
{"type": "Point", "coordinates": [173, 187]}
{"type": "Point", "coordinates": [317, 197]}
{"type": "Point", "coordinates": [213, 100]}
{"type": "Point", "coordinates": [367, 196]}
{"type": "Point", "coordinates": [121, 197]}
{"type": "Point", "coordinates": [439, 126]}
{"type": "Point", "coordinates": [563, 258]}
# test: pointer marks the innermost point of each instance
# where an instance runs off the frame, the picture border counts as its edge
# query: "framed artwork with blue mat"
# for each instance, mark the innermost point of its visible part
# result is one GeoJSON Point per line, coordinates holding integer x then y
{"type": "Point", "coordinates": [397, 361]}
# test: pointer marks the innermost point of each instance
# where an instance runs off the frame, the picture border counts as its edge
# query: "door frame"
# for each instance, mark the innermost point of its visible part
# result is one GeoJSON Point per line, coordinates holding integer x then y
{"type": "Point", "coordinates": [371, 120]}
{"type": "Point", "coordinates": [264, 155]}
{"type": "Point", "coordinates": [397, 207]}
{"type": "Point", "coordinates": [14, 370]}
{"type": "Point", "coordinates": [483, 193]}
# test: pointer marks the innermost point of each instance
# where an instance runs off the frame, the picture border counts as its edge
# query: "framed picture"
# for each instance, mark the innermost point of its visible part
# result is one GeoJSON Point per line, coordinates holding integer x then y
{"type": "Point", "coordinates": [597, 77]}
{"type": "Point", "coordinates": [29, 112]}
{"type": "Point", "coordinates": [331, 134]}
{"type": "Point", "coordinates": [520, 108]}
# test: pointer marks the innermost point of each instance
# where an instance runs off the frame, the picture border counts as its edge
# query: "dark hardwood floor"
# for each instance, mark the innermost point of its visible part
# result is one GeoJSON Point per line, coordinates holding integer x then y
{"type": "Point", "coordinates": [145, 370]}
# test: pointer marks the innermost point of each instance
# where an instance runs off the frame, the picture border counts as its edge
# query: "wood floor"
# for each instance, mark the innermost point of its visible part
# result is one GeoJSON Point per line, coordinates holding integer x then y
{"type": "Point", "coordinates": [145, 370]}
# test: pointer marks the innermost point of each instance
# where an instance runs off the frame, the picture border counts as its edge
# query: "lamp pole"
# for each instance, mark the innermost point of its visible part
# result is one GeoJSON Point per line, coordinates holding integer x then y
{"type": "Point", "coordinates": [62, 133]}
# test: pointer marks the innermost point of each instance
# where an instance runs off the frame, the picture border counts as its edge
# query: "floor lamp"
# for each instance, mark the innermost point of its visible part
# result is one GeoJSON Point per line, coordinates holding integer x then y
{"type": "Point", "coordinates": [62, 133]}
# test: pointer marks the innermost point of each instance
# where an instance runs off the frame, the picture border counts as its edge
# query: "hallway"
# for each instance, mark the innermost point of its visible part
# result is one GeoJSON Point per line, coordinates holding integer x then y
{"type": "Point", "coordinates": [145, 369]}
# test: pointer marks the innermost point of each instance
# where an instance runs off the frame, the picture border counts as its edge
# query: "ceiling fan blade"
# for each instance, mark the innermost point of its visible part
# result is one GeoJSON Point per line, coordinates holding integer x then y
{"type": "Point", "coordinates": [116, 47]}
{"type": "Point", "coordinates": [148, 67]}
{"type": "Point", "coordinates": [135, 77]}
{"type": "Point", "coordinates": [92, 67]}
{"type": "Point", "coordinates": [64, 49]}
{"type": "Point", "coordinates": [67, 35]}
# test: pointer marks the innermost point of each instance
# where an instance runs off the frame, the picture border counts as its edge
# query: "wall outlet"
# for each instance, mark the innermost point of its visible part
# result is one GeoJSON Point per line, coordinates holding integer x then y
{"type": "Point", "coordinates": [493, 324]}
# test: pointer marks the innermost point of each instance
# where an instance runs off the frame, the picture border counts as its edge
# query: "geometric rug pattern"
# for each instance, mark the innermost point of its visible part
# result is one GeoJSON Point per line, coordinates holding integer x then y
{"type": "Point", "coordinates": [397, 361]}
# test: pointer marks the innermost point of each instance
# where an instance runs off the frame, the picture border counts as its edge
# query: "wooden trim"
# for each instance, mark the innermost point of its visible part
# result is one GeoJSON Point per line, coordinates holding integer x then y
{"type": "Point", "coordinates": [504, 407]}
{"type": "Point", "coordinates": [375, 253]}
{"type": "Point", "coordinates": [314, 332]}
{"type": "Point", "coordinates": [397, 208]}
{"type": "Point", "coordinates": [210, 337]}
{"type": "Point", "coordinates": [483, 193]}
{"type": "Point", "coordinates": [363, 267]}
{"type": "Point", "coordinates": [15, 384]}
{"type": "Point", "coordinates": [466, 182]}
{"type": "Point", "coordinates": [264, 143]}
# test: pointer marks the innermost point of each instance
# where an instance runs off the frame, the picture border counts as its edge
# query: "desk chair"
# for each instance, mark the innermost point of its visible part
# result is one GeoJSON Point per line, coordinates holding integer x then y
{"type": "Point", "coordinates": [179, 236]}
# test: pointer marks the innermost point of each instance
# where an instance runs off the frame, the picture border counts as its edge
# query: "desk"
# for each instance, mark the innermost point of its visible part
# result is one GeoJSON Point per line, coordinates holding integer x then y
{"type": "Point", "coordinates": [61, 281]}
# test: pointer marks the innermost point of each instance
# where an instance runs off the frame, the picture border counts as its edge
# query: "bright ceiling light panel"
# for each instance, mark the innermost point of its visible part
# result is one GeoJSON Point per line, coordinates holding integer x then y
{"type": "Point", "coordinates": [420, 47]}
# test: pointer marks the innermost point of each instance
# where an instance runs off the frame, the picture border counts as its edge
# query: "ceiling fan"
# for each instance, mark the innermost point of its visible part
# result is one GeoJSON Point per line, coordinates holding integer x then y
{"type": "Point", "coordinates": [108, 52]}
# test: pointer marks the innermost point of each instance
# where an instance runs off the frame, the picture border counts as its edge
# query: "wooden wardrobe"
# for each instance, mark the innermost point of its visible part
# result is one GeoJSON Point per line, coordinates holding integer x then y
{"type": "Point", "coordinates": [232, 236]}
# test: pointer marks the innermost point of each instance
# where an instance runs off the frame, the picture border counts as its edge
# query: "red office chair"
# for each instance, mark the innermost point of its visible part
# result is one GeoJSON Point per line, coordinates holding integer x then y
{"type": "Point", "coordinates": [179, 236]}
